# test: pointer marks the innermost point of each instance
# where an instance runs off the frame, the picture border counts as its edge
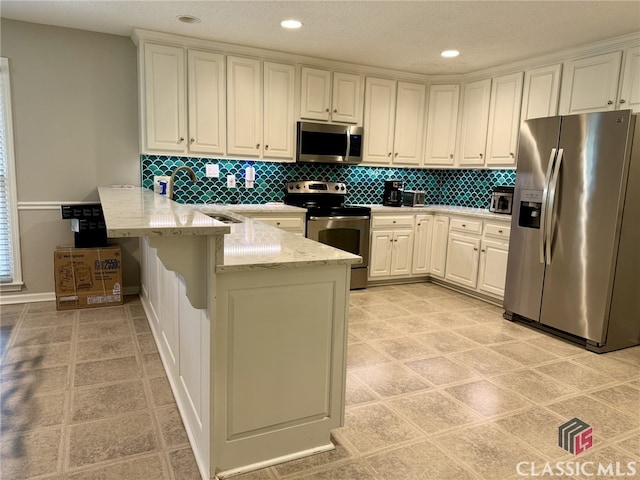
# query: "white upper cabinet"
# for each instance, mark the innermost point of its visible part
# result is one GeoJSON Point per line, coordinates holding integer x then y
{"type": "Point", "coordinates": [244, 106]}
{"type": "Point", "coordinates": [165, 118]}
{"type": "Point", "coordinates": [442, 124]}
{"type": "Point", "coordinates": [279, 118]}
{"type": "Point", "coordinates": [330, 96]}
{"type": "Point", "coordinates": [184, 102]}
{"type": "Point", "coordinates": [394, 121]}
{"type": "Point", "coordinates": [475, 121]}
{"type": "Point", "coordinates": [541, 92]}
{"type": "Point", "coordinates": [504, 119]}
{"type": "Point", "coordinates": [590, 84]}
{"type": "Point", "coordinates": [630, 87]}
{"type": "Point", "coordinates": [207, 102]}
{"type": "Point", "coordinates": [379, 119]}
{"type": "Point", "coordinates": [260, 117]}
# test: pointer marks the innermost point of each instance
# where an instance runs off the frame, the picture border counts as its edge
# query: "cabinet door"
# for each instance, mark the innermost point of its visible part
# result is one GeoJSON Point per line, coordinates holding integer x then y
{"type": "Point", "coordinates": [422, 244]}
{"type": "Point", "coordinates": [278, 119]}
{"type": "Point", "coordinates": [590, 84]}
{"type": "Point", "coordinates": [346, 98]}
{"type": "Point", "coordinates": [402, 256]}
{"type": "Point", "coordinates": [379, 119]}
{"type": "Point", "coordinates": [244, 113]}
{"type": "Point", "coordinates": [409, 124]}
{"type": "Point", "coordinates": [315, 94]}
{"type": "Point", "coordinates": [504, 119]}
{"type": "Point", "coordinates": [630, 88]}
{"type": "Point", "coordinates": [442, 124]}
{"type": "Point", "coordinates": [381, 248]}
{"type": "Point", "coordinates": [438, 259]}
{"type": "Point", "coordinates": [493, 267]}
{"type": "Point", "coordinates": [462, 260]}
{"type": "Point", "coordinates": [475, 119]}
{"type": "Point", "coordinates": [207, 102]}
{"type": "Point", "coordinates": [165, 99]}
{"type": "Point", "coordinates": [541, 92]}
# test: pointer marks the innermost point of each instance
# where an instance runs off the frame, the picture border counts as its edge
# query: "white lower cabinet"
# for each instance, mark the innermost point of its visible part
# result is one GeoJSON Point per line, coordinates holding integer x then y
{"type": "Point", "coordinates": [289, 222]}
{"type": "Point", "coordinates": [462, 259]}
{"type": "Point", "coordinates": [391, 246]}
{"type": "Point", "coordinates": [438, 260]}
{"type": "Point", "coordinates": [493, 267]}
{"type": "Point", "coordinates": [422, 245]}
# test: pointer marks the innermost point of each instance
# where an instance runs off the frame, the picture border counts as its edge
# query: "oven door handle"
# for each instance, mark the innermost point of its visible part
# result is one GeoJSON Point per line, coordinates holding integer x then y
{"type": "Point", "coordinates": [363, 217]}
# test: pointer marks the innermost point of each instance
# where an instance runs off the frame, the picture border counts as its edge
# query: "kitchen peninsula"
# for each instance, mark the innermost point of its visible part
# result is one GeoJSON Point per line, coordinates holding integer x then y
{"type": "Point", "coordinates": [251, 325]}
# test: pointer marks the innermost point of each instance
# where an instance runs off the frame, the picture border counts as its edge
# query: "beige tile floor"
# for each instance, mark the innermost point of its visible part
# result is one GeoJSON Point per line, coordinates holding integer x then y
{"type": "Point", "coordinates": [439, 386]}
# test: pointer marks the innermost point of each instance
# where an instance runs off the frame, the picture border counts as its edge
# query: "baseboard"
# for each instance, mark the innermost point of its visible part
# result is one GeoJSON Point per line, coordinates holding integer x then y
{"type": "Point", "coordinates": [9, 299]}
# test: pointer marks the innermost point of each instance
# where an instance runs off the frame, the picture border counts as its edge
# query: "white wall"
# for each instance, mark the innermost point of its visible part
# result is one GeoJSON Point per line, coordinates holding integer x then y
{"type": "Point", "coordinates": [75, 126]}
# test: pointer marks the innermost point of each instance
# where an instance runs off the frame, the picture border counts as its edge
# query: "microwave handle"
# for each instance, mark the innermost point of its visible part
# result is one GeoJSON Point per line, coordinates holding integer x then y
{"type": "Point", "coordinates": [348, 153]}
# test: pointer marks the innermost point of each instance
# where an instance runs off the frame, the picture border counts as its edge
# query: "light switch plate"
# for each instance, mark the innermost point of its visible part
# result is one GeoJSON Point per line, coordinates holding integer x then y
{"type": "Point", "coordinates": [212, 170]}
{"type": "Point", "coordinates": [231, 181]}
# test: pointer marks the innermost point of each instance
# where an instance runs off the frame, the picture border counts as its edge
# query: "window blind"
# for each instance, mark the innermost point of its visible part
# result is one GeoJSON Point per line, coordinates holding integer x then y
{"type": "Point", "coordinates": [9, 258]}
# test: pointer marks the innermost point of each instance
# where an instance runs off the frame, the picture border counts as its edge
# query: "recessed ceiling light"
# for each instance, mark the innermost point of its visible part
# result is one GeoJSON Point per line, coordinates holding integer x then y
{"type": "Point", "coordinates": [188, 19]}
{"type": "Point", "coordinates": [450, 53]}
{"type": "Point", "coordinates": [290, 23]}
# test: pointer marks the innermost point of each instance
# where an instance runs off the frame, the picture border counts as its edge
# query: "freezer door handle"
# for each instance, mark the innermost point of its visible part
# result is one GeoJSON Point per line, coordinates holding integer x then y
{"type": "Point", "coordinates": [551, 226]}
{"type": "Point", "coordinates": [543, 213]}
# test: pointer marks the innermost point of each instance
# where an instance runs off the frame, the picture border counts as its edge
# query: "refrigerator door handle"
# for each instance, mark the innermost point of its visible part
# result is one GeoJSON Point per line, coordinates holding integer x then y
{"type": "Point", "coordinates": [545, 196]}
{"type": "Point", "coordinates": [550, 227]}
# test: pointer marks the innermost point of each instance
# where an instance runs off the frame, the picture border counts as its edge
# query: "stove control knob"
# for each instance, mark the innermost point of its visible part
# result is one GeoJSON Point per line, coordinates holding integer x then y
{"type": "Point", "coordinates": [342, 188]}
{"type": "Point", "coordinates": [337, 187]}
{"type": "Point", "coordinates": [298, 186]}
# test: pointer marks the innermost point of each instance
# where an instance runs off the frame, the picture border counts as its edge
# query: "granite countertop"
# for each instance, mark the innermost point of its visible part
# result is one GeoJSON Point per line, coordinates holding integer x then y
{"type": "Point", "coordinates": [250, 245]}
{"type": "Point", "coordinates": [449, 209]}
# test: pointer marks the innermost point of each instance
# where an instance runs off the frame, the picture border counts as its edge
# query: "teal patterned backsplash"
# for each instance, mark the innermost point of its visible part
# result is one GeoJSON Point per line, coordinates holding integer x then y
{"type": "Point", "coordinates": [466, 188]}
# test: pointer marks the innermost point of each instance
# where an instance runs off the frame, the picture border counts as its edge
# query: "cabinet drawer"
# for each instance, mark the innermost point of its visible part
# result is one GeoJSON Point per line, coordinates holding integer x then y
{"type": "Point", "coordinates": [465, 225]}
{"type": "Point", "coordinates": [283, 223]}
{"type": "Point", "coordinates": [497, 231]}
{"type": "Point", "coordinates": [395, 221]}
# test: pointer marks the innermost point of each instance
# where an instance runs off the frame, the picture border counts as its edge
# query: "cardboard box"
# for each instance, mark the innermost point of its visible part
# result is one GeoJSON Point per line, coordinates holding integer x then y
{"type": "Point", "coordinates": [88, 277]}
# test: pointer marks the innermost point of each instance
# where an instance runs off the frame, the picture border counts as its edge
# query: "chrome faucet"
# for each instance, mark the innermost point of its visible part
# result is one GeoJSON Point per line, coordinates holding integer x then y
{"type": "Point", "coordinates": [191, 173]}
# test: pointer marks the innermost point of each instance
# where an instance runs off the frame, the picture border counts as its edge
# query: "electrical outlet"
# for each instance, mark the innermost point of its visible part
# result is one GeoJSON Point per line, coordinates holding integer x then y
{"type": "Point", "coordinates": [248, 184]}
{"type": "Point", "coordinates": [231, 181]}
{"type": "Point", "coordinates": [212, 170]}
{"type": "Point", "coordinates": [156, 183]}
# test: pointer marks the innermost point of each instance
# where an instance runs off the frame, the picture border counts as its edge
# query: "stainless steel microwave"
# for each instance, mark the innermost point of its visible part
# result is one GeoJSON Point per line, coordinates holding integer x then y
{"type": "Point", "coordinates": [328, 143]}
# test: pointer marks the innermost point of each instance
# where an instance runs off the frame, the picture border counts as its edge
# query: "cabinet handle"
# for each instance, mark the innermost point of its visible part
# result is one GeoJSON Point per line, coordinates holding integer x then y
{"type": "Point", "coordinates": [277, 223]}
{"type": "Point", "coordinates": [483, 251]}
{"type": "Point", "coordinates": [475, 249]}
{"type": "Point", "coordinates": [335, 110]}
{"type": "Point", "coordinates": [326, 110]}
{"type": "Point", "coordinates": [451, 156]}
{"type": "Point", "coordinates": [499, 231]}
{"type": "Point", "coordinates": [396, 154]}
{"type": "Point", "coordinates": [622, 100]}
{"type": "Point", "coordinates": [396, 240]}
{"type": "Point", "coordinates": [481, 155]}
{"type": "Point", "coordinates": [511, 154]}
{"type": "Point", "coordinates": [464, 225]}
{"type": "Point", "coordinates": [394, 221]}
{"type": "Point", "coordinates": [257, 146]}
{"type": "Point", "coordinates": [266, 147]}
{"type": "Point", "coordinates": [181, 139]}
{"type": "Point", "coordinates": [389, 154]}
{"type": "Point", "coordinates": [610, 102]}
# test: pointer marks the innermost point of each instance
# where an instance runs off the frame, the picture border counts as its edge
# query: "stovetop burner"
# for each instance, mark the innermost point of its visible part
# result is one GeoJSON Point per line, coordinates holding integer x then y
{"type": "Point", "coordinates": [322, 199]}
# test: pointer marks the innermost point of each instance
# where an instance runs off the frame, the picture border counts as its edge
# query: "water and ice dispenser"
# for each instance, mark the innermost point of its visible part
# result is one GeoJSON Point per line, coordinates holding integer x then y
{"type": "Point", "coordinates": [530, 209]}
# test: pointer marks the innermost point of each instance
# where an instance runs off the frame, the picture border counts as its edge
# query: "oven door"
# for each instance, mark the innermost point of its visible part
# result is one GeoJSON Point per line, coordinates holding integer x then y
{"type": "Point", "coordinates": [346, 233]}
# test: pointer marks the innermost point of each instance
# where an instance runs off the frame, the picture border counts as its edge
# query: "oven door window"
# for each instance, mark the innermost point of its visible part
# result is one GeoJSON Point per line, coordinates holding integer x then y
{"type": "Point", "coordinates": [347, 239]}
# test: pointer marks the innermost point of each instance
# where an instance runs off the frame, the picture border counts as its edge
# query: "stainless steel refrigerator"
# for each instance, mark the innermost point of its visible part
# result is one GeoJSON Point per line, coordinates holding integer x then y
{"type": "Point", "coordinates": [574, 252]}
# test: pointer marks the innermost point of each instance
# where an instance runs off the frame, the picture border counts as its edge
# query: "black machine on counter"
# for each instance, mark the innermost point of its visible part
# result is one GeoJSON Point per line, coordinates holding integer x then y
{"type": "Point", "coordinates": [392, 196]}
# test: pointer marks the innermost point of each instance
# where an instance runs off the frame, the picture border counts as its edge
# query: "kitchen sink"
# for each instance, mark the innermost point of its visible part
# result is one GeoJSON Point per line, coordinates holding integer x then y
{"type": "Point", "coordinates": [222, 218]}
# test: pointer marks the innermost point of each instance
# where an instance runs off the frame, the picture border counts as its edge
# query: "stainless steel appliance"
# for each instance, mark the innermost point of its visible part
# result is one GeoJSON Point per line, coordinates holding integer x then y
{"type": "Point", "coordinates": [573, 261]}
{"type": "Point", "coordinates": [502, 200]}
{"type": "Point", "coordinates": [331, 222]}
{"type": "Point", "coordinates": [413, 198]}
{"type": "Point", "coordinates": [392, 195]}
{"type": "Point", "coordinates": [328, 143]}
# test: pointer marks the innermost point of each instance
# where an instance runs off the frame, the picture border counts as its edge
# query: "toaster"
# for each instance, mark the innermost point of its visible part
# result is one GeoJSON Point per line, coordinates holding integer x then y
{"type": "Point", "coordinates": [413, 198]}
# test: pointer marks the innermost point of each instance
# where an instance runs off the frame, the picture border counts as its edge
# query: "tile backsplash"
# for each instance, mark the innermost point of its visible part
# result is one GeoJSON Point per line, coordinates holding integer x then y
{"type": "Point", "coordinates": [467, 188]}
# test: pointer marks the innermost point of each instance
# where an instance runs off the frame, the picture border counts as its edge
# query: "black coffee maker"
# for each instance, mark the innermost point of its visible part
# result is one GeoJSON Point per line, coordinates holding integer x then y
{"type": "Point", "coordinates": [392, 196]}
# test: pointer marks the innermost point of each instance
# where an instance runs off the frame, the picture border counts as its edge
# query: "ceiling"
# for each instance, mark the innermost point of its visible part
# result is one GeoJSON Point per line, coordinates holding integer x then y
{"type": "Point", "coordinates": [401, 35]}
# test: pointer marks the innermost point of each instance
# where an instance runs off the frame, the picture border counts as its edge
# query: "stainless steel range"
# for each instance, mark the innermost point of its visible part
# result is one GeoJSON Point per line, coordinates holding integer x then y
{"type": "Point", "coordinates": [331, 222]}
